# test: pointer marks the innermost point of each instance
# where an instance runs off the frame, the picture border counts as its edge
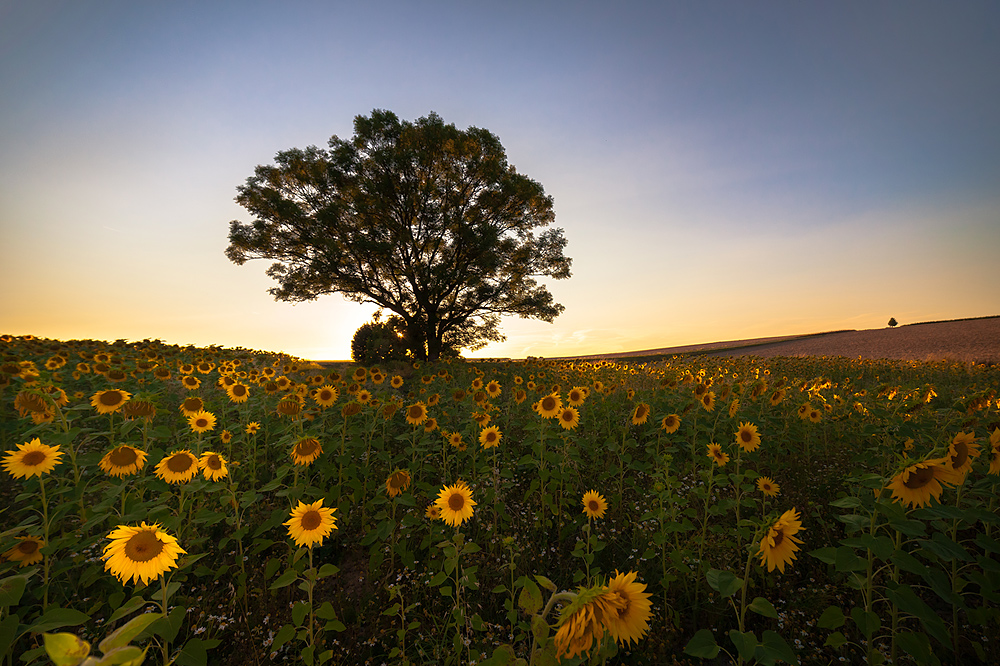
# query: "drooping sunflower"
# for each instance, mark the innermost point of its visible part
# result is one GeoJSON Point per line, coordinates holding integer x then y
{"type": "Point", "coordinates": [201, 421]}
{"type": "Point", "coordinates": [628, 620]}
{"type": "Point", "coordinates": [32, 459]}
{"type": "Point", "coordinates": [767, 486]}
{"type": "Point", "coordinates": [416, 413]}
{"type": "Point", "coordinates": [306, 451]}
{"type": "Point", "coordinates": [178, 467]}
{"type": "Point", "coordinates": [481, 418]}
{"type": "Point", "coordinates": [28, 402]}
{"type": "Point", "coordinates": [490, 437]}
{"type": "Point", "coordinates": [583, 621]}
{"type": "Point", "coordinates": [520, 396]}
{"type": "Point", "coordinates": [995, 454]}
{"type": "Point", "coordinates": [747, 437]}
{"type": "Point", "coordinates": [569, 418]}
{"type": "Point", "coordinates": [123, 460]}
{"type": "Point", "coordinates": [289, 406]}
{"type": "Point", "coordinates": [455, 503]}
{"type": "Point", "coordinates": [139, 409]}
{"type": "Point", "coordinates": [27, 551]}
{"type": "Point", "coordinates": [594, 504]}
{"type": "Point", "coordinates": [549, 406]}
{"type": "Point", "coordinates": [398, 482]}
{"type": "Point", "coordinates": [777, 396]}
{"type": "Point", "coordinates": [716, 453]}
{"type": "Point", "coordinates": [640, 414]}
{"type": "Point", "coordinates": [238, 392]}
{"type": "Point", "coordinates": [961, 451]}
{"type": "Point", "coordinates": [109, 400]}
{"type": "Point", "coordinates": [430, 425]}
{"type": "Point", "coordinates": [352, 408]}
{"type": "Point", "coordinates": [309, 524]}
{"type": "Point", "coordinates": [326, 395]}
{"type": "Point", "coordinates": [140, 553]}
{"type": "Point", "coordinates": [190, 382]}
{"type": "Point", "coordinates": [779, 545]}
{"type": "Point", "coordinates": [734, 407]}
{"type": "Point", "coordinates": [213, 466]}
{"type": "Point", "coordinates": [670, 423]}
{"type": "Point", "coordinates": [918, 483]}
{"type": "Point", "coordinates": [708, 401]}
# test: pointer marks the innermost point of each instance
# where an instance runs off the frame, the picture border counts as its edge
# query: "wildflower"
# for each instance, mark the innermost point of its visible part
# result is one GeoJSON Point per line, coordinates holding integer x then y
{"type": "Point", "coordinates": [918, 483]}
{"type": "Point", "coordinates": [549, 406]}
{"type": "Point", "coordinates": [628, 619]}
{"type": "Point", "coordinates": [252, 428]}
{"type": "Point", "coordinates": [201, 421]}
{"type": "Point", "coordinates": [569, 418]}
{"type": "Point", "coordinates": [670, 423]}
{"type": "Point", "coordinates": [416, 413]}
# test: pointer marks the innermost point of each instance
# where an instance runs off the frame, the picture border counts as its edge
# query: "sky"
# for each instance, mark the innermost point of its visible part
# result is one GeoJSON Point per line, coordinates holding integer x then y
{"type": "Point", "coordinates": [721, 170]}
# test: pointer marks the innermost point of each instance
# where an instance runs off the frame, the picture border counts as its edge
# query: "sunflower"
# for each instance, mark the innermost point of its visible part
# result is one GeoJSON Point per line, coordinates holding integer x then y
{"type": "Point", "coordinates": [306, 451]}
{"type": "Point", "coordinates": [326, 395]}
{"type": "Point", "coordinates": [396, 381]}
{"type": "Point", "coordinates": [350, 409]}
{"type": "Point", "coordinates": [455, 439]}
{"type": "Point", "coordinates": [708, 401]}
{"type": "Point", "coordinates": [178, 467]}
{"type": "Point", "coordinates": [628, 620]}
{"type": "Point", "coordinates": [202, 421]}
{"type": "Point", "coordinates": [815, 416]}
{"type": "Point", "coordinates": [32, 459]}
{"type": "Point", "coordinates": [140, 553]}
{"type": "Point", "coordinates": [252, 428]}
{"type": "Point", "coordinates": [123, 460]}
{"type": "Point", "coordinates": [455, 503]}
{"type": "Point", "coordinates": [640, 414]}
{"type": "Point", "coordinates": [213, 466]}
{"type": "Point", "coordinates": [747, 437]}
{"type": "Point", "coordinates": [398, 482]}
{"type": "Point", "coordinates": [576, 396]}
{"type": "Point", "coordinates": [433, 399]}
{"type": "Point", "coordinates": [916, 484]}
{"type": "Point", "coordinates": [490, 437]}
{"type": "Point", "coordinates": [139, 409]}
{"type": "Point", "coordinates": [716, 453]}
{"type": "Point", "coordinates": [433, 512]}
{"type": "Point", "coordinates": [493, 389]}
{"type": "Point", "coordinates": [364, 396]}
{"type": "Point", "coordinates": [190, 382]}
{"type": "Point", "coordinates": [767, 486]}
{"type": "Point", "coordinates": [238, 392]}
{"type": "Point", "coordinates": [311, 523]}
{"type": "Point", "coordinates": [549, 406]}
{"type": "Point", "coordinates": [110, 400]}
{"type": "Point", "coordinates": [289, 407]}
{"type": "Point", "coordinates": [594, 504]}
{"type": "Point", "coordinates": [27, 551]}
{"type": "Point", "coordinates": [569, 418]}
{"type": "Point", "coordinates": [28, 402]}
{"type": "Point", "coordinates": [778, 546]}
{"type": "Point", "coordinates": [481, 418]}
{"type": "Point", "coordinates": [734, 407]}
{"type": "Point", "coordinates": [416, 413]}
{"type": "Point", "coordinates": [670, 423]}
{"type": "Point", "coordinates": [225, 436]}
{"type": "Point", "coordinates": [961, 451]}
{"type": "Point", "coordinates": [583, 622]}
{"type": "Point", "coordinates": [777, 397]}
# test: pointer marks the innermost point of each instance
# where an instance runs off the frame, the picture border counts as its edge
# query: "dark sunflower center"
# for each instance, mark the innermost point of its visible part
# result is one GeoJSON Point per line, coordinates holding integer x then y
{"type": "Point", "coordinates": [491, 436]}
{"type": "Point", "coordinates": [961, 454]}
{"type": "Point", "coordinates": [110, 398]}
{"type": "Point", "coordinates": [311, 520]}
{"type": "Point", "coordinates": [640, 411]}
{"type": "Point", "coordinates": [746, 436]}
{"type": "Point", "coordinates": [214, 462]}
{"type": "Point", "coordinates": [33, 458]}
{"type": "Point", "coordinates": [456, 502]}
{"type": "Point", "coordinates": [325, 395]}
{"type": "Point", "coordinates": [27, 547]}
{"type": "Point", "coordinates": [306, 447]}
{"type": "Point", "coordinates": [143, 547]}
{"type": "Point", "coordinates": [201, 422]}
{"type": "Point", "coordinates": [239, 390]}
{"type": "Point", "coordinates": [123, 456]}
{"type": "Point", "coordinates": [594, 506]}
{"type": "Point", "coordinates": [548, 403]}
{"type": "Point", "coordinates": [779, 536]}
{"type": "Point", "coordinates": [919, 478]}
{"type": "Point", "coordinates": [179, 462]}
{"type": "Point", "coordinates": [625, 603]}
{"type": "Point", "coordinates": [415, 411]}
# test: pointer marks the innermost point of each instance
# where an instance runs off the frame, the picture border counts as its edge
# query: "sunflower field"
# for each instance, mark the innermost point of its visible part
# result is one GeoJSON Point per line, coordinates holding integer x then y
{"type": "Point", "coordinates": [165, 504]}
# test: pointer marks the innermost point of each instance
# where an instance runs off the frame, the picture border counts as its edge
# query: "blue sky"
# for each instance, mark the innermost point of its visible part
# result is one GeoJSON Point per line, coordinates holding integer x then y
{"type": "Point", "coordinates": [722, 170]}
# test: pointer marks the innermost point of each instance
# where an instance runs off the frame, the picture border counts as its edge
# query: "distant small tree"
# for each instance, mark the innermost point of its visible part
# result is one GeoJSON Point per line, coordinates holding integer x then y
{"type": "Point", "coordinates": [378, 342]}
{"type": "Point", "coordinates": [892, 322]}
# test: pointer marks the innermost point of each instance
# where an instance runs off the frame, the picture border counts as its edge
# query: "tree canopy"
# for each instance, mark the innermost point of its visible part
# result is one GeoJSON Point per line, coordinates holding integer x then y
{"type": "Point", "coordinates": [422, 219]}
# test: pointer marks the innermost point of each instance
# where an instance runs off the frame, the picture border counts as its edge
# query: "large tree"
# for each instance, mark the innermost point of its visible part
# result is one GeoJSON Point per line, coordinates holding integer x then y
{"type": "Point", "coordinates": [422, 219]}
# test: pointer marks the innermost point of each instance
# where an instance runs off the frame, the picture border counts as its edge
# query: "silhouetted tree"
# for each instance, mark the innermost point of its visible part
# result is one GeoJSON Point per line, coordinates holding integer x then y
{"type": "Point", "coordinates": [892, 322]}
{"type": "Point", "coordinates": [422, 219]}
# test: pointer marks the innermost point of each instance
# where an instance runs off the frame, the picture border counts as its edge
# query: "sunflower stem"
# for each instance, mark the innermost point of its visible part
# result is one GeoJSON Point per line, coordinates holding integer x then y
{"type": "Point", "coordinates": [45, 529]}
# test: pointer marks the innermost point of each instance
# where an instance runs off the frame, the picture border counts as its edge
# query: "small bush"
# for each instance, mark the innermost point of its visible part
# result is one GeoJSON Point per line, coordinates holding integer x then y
{"type": "Point", "coordinates": [377, 341]}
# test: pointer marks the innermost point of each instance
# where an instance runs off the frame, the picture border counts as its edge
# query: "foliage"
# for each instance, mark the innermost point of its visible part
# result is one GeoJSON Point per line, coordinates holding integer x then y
{"type": "Point", "coordinates": [425, 220]}
{"type": "Point", "coordinates": [377, 342]}
{"type": "Point", "coordinates": [892, 322]}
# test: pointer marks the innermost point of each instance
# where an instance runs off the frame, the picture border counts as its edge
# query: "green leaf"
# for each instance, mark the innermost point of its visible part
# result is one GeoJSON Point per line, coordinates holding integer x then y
{"type": "Point", "coordinates": [546, 583]}
{"type": "Point", "coordinates": [127, 655]}
{"type": "Point", "coordinates": [907, 601]}
{"type": "Point", "coordinates": [8, 632]}
{"type": "Point", "coordinates": [867, 621]}
{"type": "Point", "coordinates": [66, 649]}
{"type": "Point", "coordinates": [11, 589]}
{"type": "Point", "coordinates": [327, 570]}
{"type": "Point", "coordinates": [745, 643]}
{"type": "Point", "coordinates": [828, 555]}
{"type": "Point", "coordinates": [724, 582]}
{"type": "Point", "coordinates": [285, 634]}
{"type": "Point", "coordinates": [56, 618]}
{"type": "Point", "coordinates": [917, 646]}
{"type": "Point", "coordinates": [702, 645]}
{"type": "Point", "coordinates": [762, 606]}
{"type": "Point", "coordinates": [124, 634]}
{"type": "Point", "coordinates": [835, 640]}
{"type": "Point", "coordinates": [285, 579]}
{"type": "Point", "coordinates": [539, 628]}
{"type": "Point", "coordinates": [326, 612]}
{"type": "Point", "coordinates": [530, 599]}
{"type": "Point", "coordinates": [774, 646]}
{"type": "Point", "coordinates": [130, 606]}
{"type": "Point", "coordinates": [945, 548]}
{"type": "Point", "coordinates": [846, 502]}
{"type": "Point", "coordinates": [832, 618]}
{"type": "Point", "coordinates": [848, 561]}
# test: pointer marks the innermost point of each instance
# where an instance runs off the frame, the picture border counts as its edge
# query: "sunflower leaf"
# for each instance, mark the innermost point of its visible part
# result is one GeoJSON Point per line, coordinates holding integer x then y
{"type": "Point", "coordinates": [724, 582]}
{"type": "Point", "coordinates": [762, 606]}
{"type": "Point", "coordinates": [66, 649]}
{"type": "Point", "coordinates": [702, 645]}
{"type": "Point", "coordinates": [124, 634]}
{"type": "Point", "coordinates": [11, 589]}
